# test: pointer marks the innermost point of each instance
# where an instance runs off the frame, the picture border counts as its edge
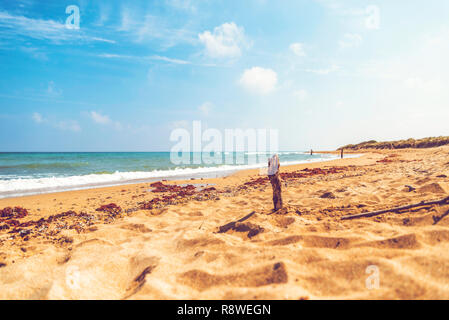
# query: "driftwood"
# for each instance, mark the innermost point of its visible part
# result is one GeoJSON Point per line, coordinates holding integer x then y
{"type": "Point", "coordinates": [396, 209]}
{"type": "Point", "coordinates": [231, 225]}
{"type": "Point", "coordinates": [239, 226]}
{"type": "Point", "coordinates": [273, 175]}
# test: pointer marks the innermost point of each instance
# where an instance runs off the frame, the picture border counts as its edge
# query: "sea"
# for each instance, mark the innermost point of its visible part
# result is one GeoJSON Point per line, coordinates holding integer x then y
{"type": "Point", "coordinates": [44, 172]}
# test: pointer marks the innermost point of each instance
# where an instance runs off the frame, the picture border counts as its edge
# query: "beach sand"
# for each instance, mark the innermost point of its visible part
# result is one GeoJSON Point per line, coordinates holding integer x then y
{"type": "Point", "coordinates": [177, 250]}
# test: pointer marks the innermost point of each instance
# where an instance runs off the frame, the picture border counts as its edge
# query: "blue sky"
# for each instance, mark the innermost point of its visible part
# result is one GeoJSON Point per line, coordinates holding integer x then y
{"type": "Point", "coordinates": [324, 73]}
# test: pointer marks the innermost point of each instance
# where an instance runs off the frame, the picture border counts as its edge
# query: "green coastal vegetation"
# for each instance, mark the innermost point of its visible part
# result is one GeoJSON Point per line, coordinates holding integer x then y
{"type": "Point", "coordinates": [400, 144]}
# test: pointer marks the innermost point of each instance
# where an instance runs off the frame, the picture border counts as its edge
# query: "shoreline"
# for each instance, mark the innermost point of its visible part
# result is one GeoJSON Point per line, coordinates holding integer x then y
{"type": "Point", "coordinates": [203, 173]}
{"type": "Point", "coordinates": [126, 195]}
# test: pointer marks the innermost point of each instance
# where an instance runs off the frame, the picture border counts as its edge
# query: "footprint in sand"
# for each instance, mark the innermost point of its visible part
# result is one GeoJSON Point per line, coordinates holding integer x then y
{"type": "Point", "coordinates": [136, 227]}
{"type": "Point", "coordinates": [408, 241]}
{"type": "Point", "coordinates": [436, 236]}
{"type": "Point", "coordinates": [140, 279]}
{"type": "Point", "coordinates": [313, 241]}
{"type": "Point", "coordinates": [271, 274]}
{"type": "Point", "coordinates": [198, 243]}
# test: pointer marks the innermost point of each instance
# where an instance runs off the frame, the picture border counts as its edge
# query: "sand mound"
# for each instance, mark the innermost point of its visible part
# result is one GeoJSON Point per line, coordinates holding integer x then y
{"type": "Point", "coordinates": [433, 188]}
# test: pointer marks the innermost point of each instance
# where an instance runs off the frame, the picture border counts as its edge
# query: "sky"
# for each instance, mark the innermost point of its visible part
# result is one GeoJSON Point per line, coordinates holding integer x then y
{"type": "Point", "coordinates": [324, 73]}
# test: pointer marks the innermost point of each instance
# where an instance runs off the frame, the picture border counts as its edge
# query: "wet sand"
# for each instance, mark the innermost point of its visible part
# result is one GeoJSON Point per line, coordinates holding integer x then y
{"type": "Point", "coordinates": [130, 242]}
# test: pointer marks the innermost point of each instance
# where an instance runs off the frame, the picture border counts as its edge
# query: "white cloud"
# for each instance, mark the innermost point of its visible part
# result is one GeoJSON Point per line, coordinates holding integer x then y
{"type": "Point", "coordinates": [117, 56]}
{"type": "Point", "coordinates": [300, 94]}
{"type": "Point", "coordinates": [205, 108]}
{"type": "Point", "coordinates": [368, 16]}
{"type": "Point", "coordinates": [170, 60]}
{"type": "Point", "coordinates": [298, 49]}
{"type": "Point", "coordinates": [102, 40]}
{"type": "Point", "coordinates": [65, 125]}
{"type": "Point", "coordinates": [142, 27]}
{"type": "Point", "coordinates": [99, 118]}
{"type": "Point", "coordinates": [37, 117]}
{"type": "Point", "coordinates": [127, 20]}
{"type": "Point", "coordinates": [104, 120]}
{"type": "Point", "coordinates": [144, 58]}
{"type": "Point", "coordinates": [226, 41]}
{"type": "Point", "coordinates": [259, 80]}
{"type": "Point", "coordinates": [350, 40]}
{"type": "Point", "coordinates": [372, 21]}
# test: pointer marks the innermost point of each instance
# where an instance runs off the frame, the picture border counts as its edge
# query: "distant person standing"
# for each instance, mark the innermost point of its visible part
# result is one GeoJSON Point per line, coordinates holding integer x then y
{"type": "Point", "coordinates": [341, 153]}
{"type": "Point", "coordinates": [311, 152]}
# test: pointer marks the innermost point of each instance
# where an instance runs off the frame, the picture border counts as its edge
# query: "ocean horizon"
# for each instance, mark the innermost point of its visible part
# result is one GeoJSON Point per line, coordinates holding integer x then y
{"type": "Point", "coordinates": [27, 173]}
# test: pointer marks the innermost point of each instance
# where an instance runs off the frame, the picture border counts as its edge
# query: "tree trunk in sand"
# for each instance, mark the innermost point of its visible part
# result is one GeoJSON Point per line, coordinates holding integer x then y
{"type": "Point", "coordinates": [273, 175]}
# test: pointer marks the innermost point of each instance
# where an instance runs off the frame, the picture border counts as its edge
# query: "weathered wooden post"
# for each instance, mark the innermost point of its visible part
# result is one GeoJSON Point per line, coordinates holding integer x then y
{"type": "Point", "coordinates": [273, 175]}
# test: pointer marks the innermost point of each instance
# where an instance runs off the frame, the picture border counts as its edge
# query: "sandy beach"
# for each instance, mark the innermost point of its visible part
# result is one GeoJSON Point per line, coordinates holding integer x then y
{"type": "Point", "coordinates": [174, 241]}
